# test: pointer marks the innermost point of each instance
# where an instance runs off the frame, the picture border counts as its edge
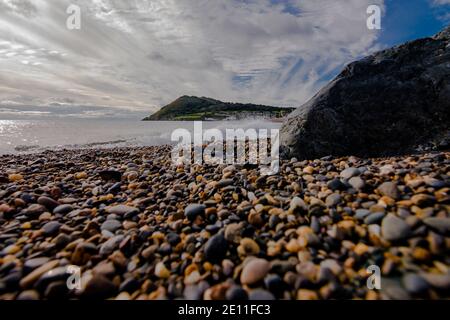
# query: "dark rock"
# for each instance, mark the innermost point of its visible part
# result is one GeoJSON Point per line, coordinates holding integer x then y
{"type": "Point", "coordinates": [194, 210]}
{"type": "Point", "coordinates": [62, 240]}
{"type": "Point", "coordinates": [63, 209]}
{"type": "Point", "coordinates": [51, 228]}
{"type": "Point", "coordinates": [173, 238]}
{"type": "Point", "coordinates": [236, 293]}
{"type": "Point", "coordinates": [216, 248]}
{"type": "Point", "coordinates": [129, 285]}
{"type": "Point", "coordinates": [11, 281]}
{"type": "Point", "coordinates": [57, 290]}
{"type": "Point", "coordinates": [114, 188]}
{"type": "Point", "coordinates": [260, 294]}
{"type": "Point", "coordinates": [335, 185]}
{"type": "Point", "coordinates": [47, 202]}
{"type": "Point", "coordinates": [34, 210]}
{"type": "Point", "coordinates": [414, 283]}
{"type": "Point", "coordinates": [110, 245]}
{"type": "Point", "coordinates": [108, 175]}
{"type": "Point", "coordinates": [28, 295]}
{"type": "Point", "coordinates": [35, 263]}
{"type": "Point", "coordinates": [57, 274]}
{"type": "Point", "coordinates": [99, 288]}
{"type": "Point", "coordinates": [387, 103]}
{"type": "Point", "coordinates": [275, 284]}
{"type": "Point", "coordinates": [224, 183]}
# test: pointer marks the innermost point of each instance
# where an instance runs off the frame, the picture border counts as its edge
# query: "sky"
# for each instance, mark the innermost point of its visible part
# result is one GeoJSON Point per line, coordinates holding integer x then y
{"type": "Point", "coordinates": [131, 57]}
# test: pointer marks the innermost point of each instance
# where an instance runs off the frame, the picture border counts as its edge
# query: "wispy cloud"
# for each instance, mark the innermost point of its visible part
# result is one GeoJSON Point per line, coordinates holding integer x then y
{"type": "Point", "coordinates": [142, 54]}
{"type": "Point", "coordinates": [444, 13]}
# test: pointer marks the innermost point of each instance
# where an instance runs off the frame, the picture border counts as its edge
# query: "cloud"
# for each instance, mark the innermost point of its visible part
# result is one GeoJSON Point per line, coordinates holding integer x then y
{"type": "Point", "coordinates": [143, 54]}
{"type": "Point", "coordinates": [440, 2]}
{"type": "Point", "coordinates": [19, 7]}
{"type": "Point", "coordinates": [441, 9]}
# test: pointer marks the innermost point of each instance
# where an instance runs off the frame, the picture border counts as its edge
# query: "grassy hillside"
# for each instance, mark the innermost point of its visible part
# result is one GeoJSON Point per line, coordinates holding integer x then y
{"type": "Point", "coordinates": [195, 108]}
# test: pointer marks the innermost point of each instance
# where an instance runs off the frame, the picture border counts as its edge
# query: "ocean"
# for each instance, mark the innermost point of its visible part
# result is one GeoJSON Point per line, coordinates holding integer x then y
{"type": "Point", "coordinates": [26, 136]}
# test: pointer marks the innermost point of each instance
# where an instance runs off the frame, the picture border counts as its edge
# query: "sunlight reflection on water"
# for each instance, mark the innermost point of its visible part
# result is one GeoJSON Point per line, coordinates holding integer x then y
{"type": "Point", "coordinates": [36, 135]}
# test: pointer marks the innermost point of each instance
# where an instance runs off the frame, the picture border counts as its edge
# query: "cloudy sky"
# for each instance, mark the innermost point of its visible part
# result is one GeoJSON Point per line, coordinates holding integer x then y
{"type": "Point", "coordinates": [130, 57]}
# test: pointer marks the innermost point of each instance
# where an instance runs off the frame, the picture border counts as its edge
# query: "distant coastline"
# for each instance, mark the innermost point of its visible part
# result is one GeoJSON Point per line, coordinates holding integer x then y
{"type": "Point", "coordinates": [206, 109]}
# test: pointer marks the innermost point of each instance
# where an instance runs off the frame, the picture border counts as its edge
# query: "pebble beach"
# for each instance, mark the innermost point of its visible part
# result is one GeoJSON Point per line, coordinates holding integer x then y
{"type": "Point", "coordinates": [140, 228]}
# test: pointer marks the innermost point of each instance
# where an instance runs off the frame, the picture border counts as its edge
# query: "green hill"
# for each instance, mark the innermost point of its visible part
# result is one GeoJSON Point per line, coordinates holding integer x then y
{"type": "Point", "coordinates": [194, 108]}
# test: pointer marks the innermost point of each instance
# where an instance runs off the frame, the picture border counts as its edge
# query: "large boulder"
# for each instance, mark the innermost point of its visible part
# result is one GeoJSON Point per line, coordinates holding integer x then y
{"type": "Point", "coordinates": [388, 103]}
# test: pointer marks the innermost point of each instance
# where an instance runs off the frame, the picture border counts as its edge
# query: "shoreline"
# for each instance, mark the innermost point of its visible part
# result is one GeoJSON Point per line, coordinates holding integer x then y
{"type": "Point", "coordinates": [140, 228]}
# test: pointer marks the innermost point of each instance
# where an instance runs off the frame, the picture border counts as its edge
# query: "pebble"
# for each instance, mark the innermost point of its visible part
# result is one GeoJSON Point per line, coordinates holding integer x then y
{"type": "Point", "coordinates": [193, 210]}
{"type": "Point", "coordinates": [11, 249]}
{"type": "Point", "coordinates": [333, 200]}
{"type": "Point", "coordinates": [47, 202]}
{"type": "Point", "coordinates": [422, 200]}
{"type": "Point", "coordinates": [248, 247]}
{"type": "Point", "coordinates": [389, 189]}
{"type": "Point", "coordinates": [361, 214]}
{"type": "Point", "coordinates": [51, 228]}
{"type": "Point", "coordinates": [63, 209]}
{"type": "Point", "coordinates": [81, 175]}
{"type": "Point", "coordinates": [336, 185]}
{"type": "Point", "coordinates": [236, 293]}
{"type": "Point", "coordinates": [260, 295]}
{"type": "Point", "coordinates": [32, 277]}
{"type": "Point", "coordinates": [394, 228]}
{"type": "Point", "coordinates": [216, 248]}
{"type": "Point", "coordinates": [173, 239]}
{"type": "Point", "coordinates": [439, 281]}
{"type": "Point", "coordinates": [161, 271]}
{"type": "Point", "coordinates": [254, 271]}
{"type": "Point", "coordinates": [306, 294]}
{"type": "Point", "coordinates": [275, 284]}
{"type": "Point", "coordinates": [414, 283]}
{"type": "Point", "coordinates": [15, 177]}
{"type": "Point", "coordinates": [108, 175]}
{"type": "Point", "coordinates": [122, 210]}
{"type": "Point", "coordinates": [233, 232]}
{"type": "Point", "coordinates": [111, 225]}
{"type": "Point", "coordinates": [331, 265]}
{"type": "Point", "coordinates": [110, 245]}
{"type": "Point", "coordinates": [298, 203]}
{"type": "Point", "coordinates": [441, 225]}
{"type": "Point", "coordinates": [357, 183]}
{"type": "Point", "coordinates": [349, 173]}
{"type": "Point", "coordinates": [56, 274]}
{"type": "Point", "coordinates": [224, 183]}
{"type": "Point", "coordinates": [35, 263]}
{"type": "Point", "coordinates": [374, 218]}
{"type": "Point", "coordinates": [99, 288]}
{"type": "Point", "coordinates": [34, 210]}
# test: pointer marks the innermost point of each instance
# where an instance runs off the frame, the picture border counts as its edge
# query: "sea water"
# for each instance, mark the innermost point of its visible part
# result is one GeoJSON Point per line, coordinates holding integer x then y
{"type": "Point", "coordinates": [19, 136]}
